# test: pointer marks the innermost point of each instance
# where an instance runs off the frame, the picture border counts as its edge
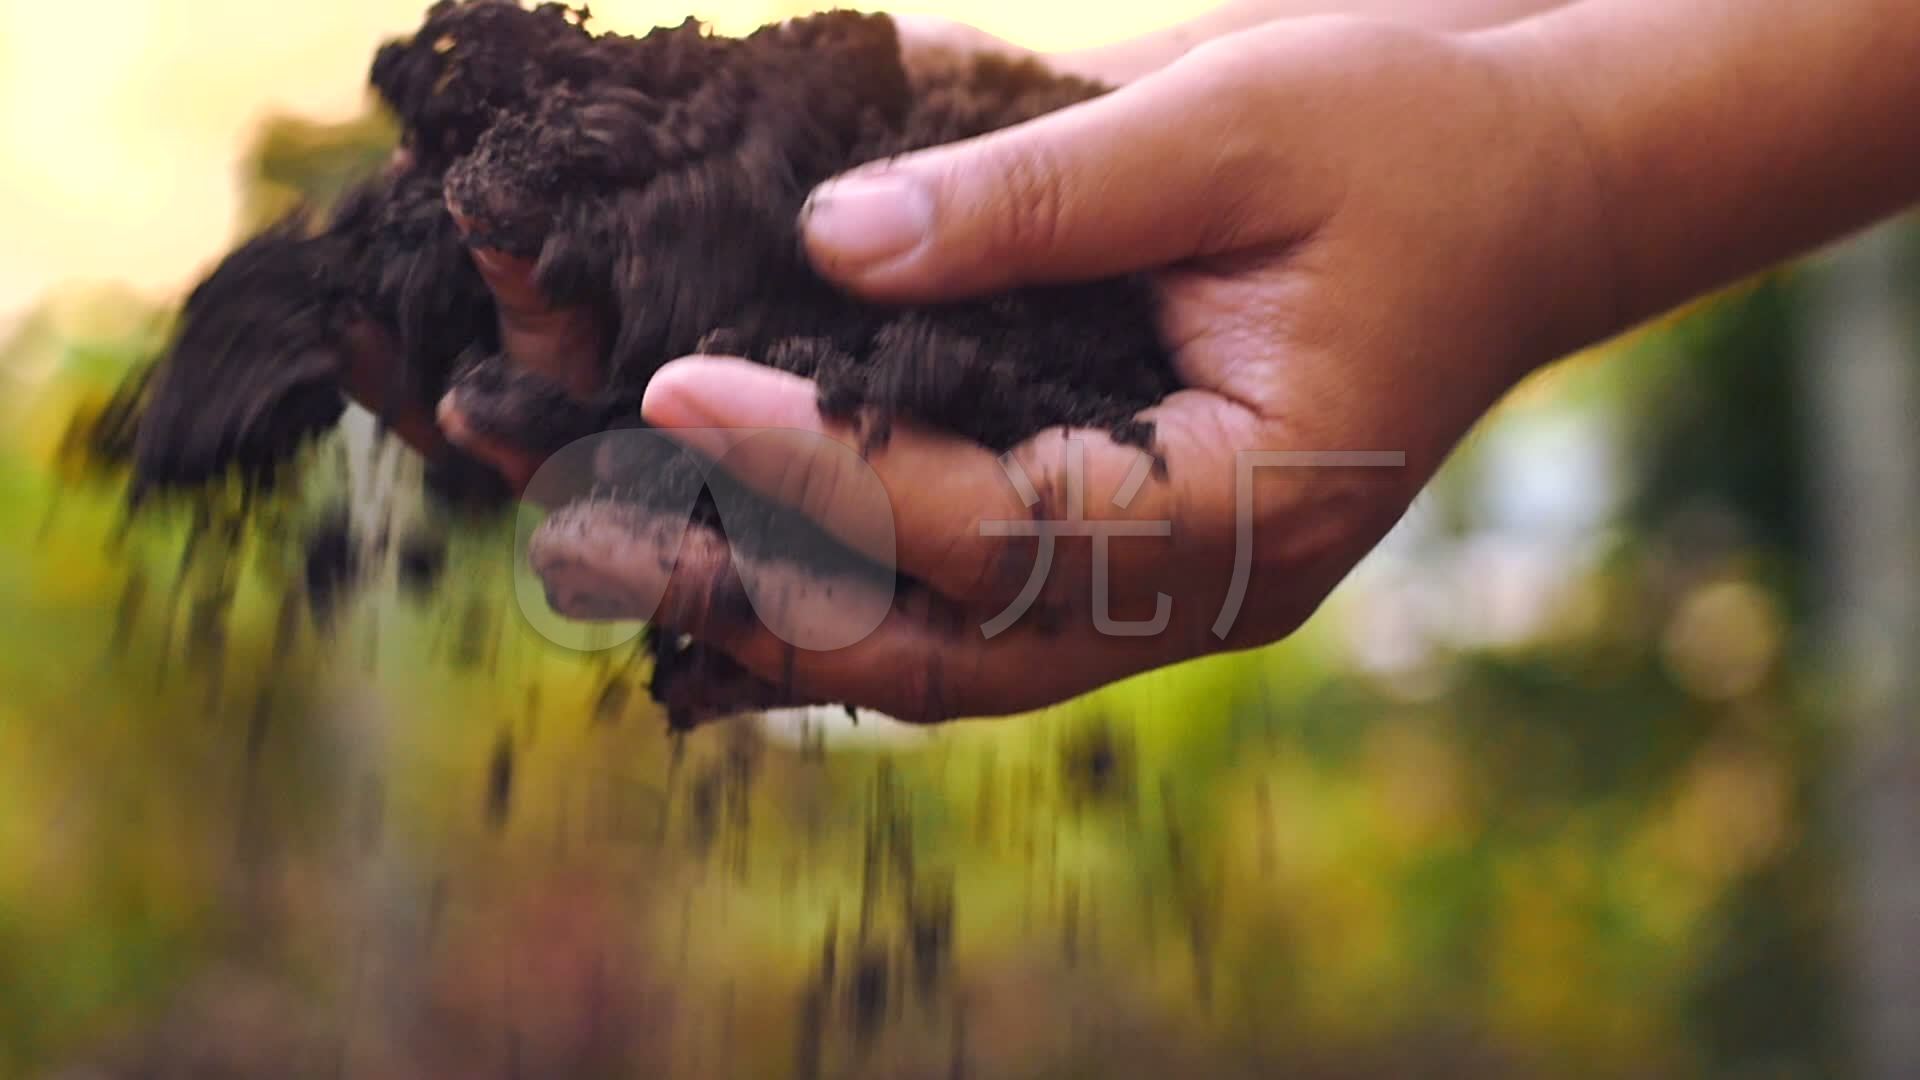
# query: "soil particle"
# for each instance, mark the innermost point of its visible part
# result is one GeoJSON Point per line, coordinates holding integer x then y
{"type": "Point", "coordinates": [499, 801]}
{"type": "Point", "coordinates": [423, 559]}
{"type": "Point", "coordinates": [332, 566]}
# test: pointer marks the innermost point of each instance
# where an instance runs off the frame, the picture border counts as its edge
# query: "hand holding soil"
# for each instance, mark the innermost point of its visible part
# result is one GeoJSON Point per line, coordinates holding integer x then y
{"type": "Point", "coordinates": [1282, 197]}
{"type": "Point", "coordinates": [1070, 382]}
{"type": "Point", "coordinates": [1360, 236]}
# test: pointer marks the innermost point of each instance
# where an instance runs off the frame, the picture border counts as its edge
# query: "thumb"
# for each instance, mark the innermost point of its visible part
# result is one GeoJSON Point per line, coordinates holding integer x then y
{"type": "Point", "coordinates": [1167, 168]}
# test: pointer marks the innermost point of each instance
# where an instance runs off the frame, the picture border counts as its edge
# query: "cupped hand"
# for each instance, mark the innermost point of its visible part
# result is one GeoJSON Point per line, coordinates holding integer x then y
{"type": "Point", "coordinates": [1360, 235]}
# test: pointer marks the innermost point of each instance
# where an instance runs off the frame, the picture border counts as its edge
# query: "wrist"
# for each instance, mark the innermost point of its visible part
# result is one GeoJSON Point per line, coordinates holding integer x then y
{"type": "Point", "coordinates": [1724, 136]}
{"type": "Point", "coordinates": [1571, 263]}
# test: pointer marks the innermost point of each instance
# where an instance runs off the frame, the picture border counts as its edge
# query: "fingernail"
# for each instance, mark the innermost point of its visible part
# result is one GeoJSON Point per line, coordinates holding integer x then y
{"type": "Point", "coordinates": [679, 394]}
{"type": "Point", "coordinates": [860, 220]}
{"type": "Point", "coordinates": [678, 409]}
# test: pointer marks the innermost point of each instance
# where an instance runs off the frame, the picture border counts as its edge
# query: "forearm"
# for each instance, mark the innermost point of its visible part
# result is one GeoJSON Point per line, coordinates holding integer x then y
{"type": "Point", "coordinates": [1127, 60]}
{"type": "Point", "coordinates": [1726, 135]}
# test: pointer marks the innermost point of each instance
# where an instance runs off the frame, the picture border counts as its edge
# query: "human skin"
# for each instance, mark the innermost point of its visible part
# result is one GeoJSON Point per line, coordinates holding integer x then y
{"type": "Point", "coordinates": [1125, 61]}
{"type": "Point", "coordinates": [559, 343]}
{"type": "Point", "coordinates": [1362, 234]}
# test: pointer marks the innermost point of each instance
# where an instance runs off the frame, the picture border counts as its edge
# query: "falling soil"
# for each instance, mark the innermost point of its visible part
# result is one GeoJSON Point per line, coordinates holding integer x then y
{"type": "Point", "coordinates": [655, 183]}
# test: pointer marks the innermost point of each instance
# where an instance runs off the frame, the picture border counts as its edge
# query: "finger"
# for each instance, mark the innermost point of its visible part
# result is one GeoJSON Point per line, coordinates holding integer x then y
{"type": "Point", "coordinates": [373, 377]}
{"type": "Point", "coordinates": [820, 605]}
{"type": "Point", "coordinates": [933, 36]}
{"type": "Point", "coordinates": [515, 418]}
{"type": "Point", "coordinates": [931, 46]}
{"type": "Point", "coordinates": [515, 464]}
{"type": "Point", "coordinates": [697, 684]}
{"type": "Point", "coordinates": [559, 346]}
{"type": "Point", "coordinates": [562, 343]}
{"type": "Point", "coordinates": [920, 663]}
{"type": "Point", "coordinates": [1170, 167]}
{"type": "Point", "coordinates": [1125, 61]}
{"type": "Point", "coordinates": [962, 518]}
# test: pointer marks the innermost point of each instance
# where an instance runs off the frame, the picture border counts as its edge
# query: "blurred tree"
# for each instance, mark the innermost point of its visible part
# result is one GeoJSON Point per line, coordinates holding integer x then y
{"type": "Point", "coordinates": [1861, 371]}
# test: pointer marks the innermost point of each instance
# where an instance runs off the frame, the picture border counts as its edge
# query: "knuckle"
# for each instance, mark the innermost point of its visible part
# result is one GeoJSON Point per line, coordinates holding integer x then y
{"type": "Point", "coordinates": [1028, 208]}
{"type": "Point", "coordinates": [988, 564]}
{"type": "Point", "coordinates": [812, 483]}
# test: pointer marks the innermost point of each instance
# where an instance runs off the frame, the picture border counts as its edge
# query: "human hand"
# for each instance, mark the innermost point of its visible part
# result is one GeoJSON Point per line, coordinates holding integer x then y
{"type": "Point", "coordinates": [1361, 234]}
{"type": "Point", "coordinates": [560, 344]}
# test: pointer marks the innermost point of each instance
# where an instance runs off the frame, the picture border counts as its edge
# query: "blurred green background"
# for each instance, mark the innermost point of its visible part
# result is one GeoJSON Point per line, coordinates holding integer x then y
{"type": "Point", "coordinates": [1597, 767]}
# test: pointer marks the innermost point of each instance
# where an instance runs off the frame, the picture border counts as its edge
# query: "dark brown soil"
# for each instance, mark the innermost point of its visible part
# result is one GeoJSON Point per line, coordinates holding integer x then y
{"type": "Point", "coordinates": [657, 181]}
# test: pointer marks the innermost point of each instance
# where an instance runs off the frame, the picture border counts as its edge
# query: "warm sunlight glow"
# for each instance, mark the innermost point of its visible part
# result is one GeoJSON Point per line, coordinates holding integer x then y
{"type": "Point", "coordinates": [122, 121]}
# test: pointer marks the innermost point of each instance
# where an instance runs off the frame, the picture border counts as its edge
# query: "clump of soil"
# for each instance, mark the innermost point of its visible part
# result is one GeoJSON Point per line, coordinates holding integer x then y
{"type": "Point", "coordinates": [656, 182]}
